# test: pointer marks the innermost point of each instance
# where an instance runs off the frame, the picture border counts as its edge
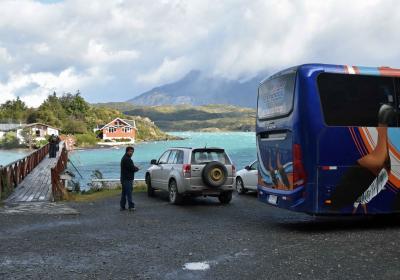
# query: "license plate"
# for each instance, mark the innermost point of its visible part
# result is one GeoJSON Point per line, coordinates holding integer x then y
{"type": "Point", "coordinates": [272, 199]}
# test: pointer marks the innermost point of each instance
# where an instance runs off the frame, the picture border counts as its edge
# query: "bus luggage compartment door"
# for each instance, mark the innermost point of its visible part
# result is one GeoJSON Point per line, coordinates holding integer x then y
{"type": "Point", "coordinates": [352, 190]}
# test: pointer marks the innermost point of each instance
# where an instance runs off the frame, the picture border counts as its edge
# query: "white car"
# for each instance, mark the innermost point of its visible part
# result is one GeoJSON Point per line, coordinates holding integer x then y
{"type": "Point", "coordinates": [246, 179]}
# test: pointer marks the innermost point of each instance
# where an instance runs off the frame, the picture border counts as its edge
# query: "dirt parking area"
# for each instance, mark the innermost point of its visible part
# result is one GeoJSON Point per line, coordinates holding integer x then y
{"type": "Point", "coordinates": [198, 240]}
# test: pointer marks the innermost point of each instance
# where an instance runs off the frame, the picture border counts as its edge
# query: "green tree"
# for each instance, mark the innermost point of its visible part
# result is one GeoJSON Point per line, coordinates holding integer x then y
{"type": "Point", "coordinates": [75, 105]}
{"type": "Point", "coordinates": [51, 111]}
{"type": "Point", "coordinates": [72, 126]}
{"type": "Point", "coordinates": [13, 111]}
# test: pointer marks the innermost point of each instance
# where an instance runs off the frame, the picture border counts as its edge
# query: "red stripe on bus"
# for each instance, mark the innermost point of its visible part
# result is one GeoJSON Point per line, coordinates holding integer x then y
{"type": "Point", "coordinates": [364, 141]}
{"type": "Point", "coordinates": [387, 71]}
{"type": "Point", "coordinates": [355, 141]}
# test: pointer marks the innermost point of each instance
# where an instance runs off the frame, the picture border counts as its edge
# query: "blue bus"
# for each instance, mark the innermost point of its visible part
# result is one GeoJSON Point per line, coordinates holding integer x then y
{"type": "Point", "coordinates": [328, 139]}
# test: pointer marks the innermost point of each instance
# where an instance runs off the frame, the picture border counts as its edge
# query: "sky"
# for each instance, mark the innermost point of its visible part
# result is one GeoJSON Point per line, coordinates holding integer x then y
{"type": "Point", "coordinates": [113, 50]}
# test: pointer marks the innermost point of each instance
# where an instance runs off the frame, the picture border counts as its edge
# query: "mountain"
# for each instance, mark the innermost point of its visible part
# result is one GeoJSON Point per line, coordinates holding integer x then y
{"type": "Point", "coordinates": [197, 89]}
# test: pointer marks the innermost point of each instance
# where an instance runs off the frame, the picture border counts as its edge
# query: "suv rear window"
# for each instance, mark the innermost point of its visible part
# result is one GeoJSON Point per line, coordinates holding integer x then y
{"type": "Point", "coordinates": [275, 97]}
{"type": "Point", "coordinates": [207, 155]}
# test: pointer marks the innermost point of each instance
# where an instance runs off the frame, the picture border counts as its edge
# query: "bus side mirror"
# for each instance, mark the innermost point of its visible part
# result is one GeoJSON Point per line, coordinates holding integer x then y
{"type": "Point", "coordinates": [387, 114]}
{"type": "Point", "coordinates": [153, 162]}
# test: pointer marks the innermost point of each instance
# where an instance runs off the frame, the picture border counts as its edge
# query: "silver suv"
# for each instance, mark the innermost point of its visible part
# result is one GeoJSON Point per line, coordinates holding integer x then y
{"type": "Point", "coordinates": [192, 172]}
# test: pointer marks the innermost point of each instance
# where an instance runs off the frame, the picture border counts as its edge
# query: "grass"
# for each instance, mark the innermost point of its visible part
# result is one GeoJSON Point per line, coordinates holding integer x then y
{"type": "Point", "coordinates": [103, 193]}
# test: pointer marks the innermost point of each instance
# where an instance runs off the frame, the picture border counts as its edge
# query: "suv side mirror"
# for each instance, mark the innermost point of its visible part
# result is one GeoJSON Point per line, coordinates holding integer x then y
{"type": "Point", "coordinates": [153, 162]}
{"type": "Point", "coordinates": [247, 167]}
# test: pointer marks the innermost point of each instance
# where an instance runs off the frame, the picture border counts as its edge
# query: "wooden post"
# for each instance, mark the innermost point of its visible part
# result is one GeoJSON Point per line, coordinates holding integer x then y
{"type": "Point", "coordinates": [57, 187]}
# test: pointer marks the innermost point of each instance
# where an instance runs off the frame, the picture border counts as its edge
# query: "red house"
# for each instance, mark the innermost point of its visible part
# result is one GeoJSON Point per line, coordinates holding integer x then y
{"type": "Point", "coordinates": [119, 129]}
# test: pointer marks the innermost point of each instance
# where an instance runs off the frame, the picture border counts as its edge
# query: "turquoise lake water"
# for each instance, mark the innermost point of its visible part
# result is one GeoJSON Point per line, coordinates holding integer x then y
{"type": "Point", "coordinates": [240, 146]}
{"type": "Point", "coordinates": [8, 156]}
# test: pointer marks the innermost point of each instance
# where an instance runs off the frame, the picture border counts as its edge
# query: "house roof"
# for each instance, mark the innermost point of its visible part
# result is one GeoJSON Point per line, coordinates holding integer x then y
{"type": "Point", "coordinates": [130, 123]}
{"type": "Point", "coordinates": [33, 124]}
{"type": "Point", "coordinates": [15, 126]}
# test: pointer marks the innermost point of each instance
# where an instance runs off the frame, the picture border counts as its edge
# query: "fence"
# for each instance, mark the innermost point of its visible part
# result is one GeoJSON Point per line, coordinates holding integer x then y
{"type": "Point", "coordinates": [12, 174]}
{"type": "Point", "coordinates": [108, 183]}
{"type": "Point", "coordinates": [57, 187]}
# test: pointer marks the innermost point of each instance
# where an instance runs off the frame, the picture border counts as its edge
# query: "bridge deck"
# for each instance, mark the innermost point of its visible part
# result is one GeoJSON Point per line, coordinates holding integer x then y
{"type": "Point", "coordinates": [37, 185]}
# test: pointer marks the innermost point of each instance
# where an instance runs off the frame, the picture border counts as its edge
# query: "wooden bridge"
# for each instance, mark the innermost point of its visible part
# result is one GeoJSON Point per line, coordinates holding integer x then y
{"type": "Point", "coordinates": [34, 178]}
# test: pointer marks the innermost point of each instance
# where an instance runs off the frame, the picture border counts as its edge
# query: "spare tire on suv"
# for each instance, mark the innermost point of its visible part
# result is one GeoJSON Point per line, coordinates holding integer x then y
{"type": "Point", "coordinates": [214, 174]}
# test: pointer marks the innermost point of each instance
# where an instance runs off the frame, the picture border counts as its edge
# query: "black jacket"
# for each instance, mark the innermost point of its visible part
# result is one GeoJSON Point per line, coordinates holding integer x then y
{"type": "Point", "coordinates": [128, 169]}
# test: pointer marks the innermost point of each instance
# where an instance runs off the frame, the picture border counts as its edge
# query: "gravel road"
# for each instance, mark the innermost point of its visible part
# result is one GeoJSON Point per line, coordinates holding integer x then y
{"type": "Point", "coordinates": [199, 240]}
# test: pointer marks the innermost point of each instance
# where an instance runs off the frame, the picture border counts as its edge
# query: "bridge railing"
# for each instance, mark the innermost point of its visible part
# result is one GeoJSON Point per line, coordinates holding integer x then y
{"type": "Point", "coordinates": [57, 187]}
{"type": "Point", "coordinates": [12, 174]}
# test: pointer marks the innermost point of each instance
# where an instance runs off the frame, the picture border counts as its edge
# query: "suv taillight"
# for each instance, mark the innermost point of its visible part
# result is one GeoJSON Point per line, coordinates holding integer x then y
{"type": "Point", "coordinates": [233, 170]}
{"type": "Point", "coordinates": [299, 173]}
{"type": "Point", "coordinates": [186, 169]}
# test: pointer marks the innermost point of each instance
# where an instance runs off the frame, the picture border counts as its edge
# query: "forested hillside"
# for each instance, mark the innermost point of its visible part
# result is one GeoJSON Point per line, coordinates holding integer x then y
{"type": "Point", "coordinates": [73, 115]}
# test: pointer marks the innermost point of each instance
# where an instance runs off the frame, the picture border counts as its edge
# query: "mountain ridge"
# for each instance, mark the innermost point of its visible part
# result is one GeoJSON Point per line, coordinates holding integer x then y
{"type": "Point", "coordinates": [197, 89]}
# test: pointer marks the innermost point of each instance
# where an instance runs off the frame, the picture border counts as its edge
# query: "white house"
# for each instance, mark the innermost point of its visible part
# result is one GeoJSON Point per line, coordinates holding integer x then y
{"type": "Point", "coordinates": [39, 130]}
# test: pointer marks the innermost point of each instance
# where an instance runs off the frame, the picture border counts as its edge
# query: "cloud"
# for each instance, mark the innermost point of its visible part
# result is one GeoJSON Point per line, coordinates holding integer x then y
{"type": "Point", "coordinates": [113, 50]}
{"type": "Point", "coordinates": [97, 53]}
{"type": "Point", "coordinates": [5, 57]}
{"type": "Point", "coordinates": [169, 69]}
{"type": "Point", "coordinates": [33, 88]}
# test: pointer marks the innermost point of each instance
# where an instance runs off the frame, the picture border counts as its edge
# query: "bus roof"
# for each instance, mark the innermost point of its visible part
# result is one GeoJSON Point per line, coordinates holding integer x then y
{"type": "Point", "coordinates": [341, 69]}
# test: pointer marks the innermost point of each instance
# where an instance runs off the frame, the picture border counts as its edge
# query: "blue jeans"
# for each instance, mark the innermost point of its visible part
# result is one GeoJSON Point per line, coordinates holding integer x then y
{"type": "Point", "coordinates": [126, 194]}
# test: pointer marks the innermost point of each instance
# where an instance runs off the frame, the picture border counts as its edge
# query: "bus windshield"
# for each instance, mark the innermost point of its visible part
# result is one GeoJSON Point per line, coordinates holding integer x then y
{"type": "Point", "coordinates": [354, 100]}
{"type": "Point", "coordinates": [275, 97]}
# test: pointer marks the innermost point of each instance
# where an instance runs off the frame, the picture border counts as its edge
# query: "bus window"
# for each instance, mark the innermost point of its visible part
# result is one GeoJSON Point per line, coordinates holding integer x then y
{"type": "Point", "coordinates": [275, 97]}
{"type": "Point", "coordinates": [354, 100]}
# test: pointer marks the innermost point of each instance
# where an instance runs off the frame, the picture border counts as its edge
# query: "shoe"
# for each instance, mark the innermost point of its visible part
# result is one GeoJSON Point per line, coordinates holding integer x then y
{"type": "Point", "coordinates": [132, 209]}
{"type": "Point", "coordinates": [122, 209]}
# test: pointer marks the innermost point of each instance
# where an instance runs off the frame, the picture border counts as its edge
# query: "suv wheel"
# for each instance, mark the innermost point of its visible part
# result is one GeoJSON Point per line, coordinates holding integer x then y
{"type": "Point", "coordinates": [225, 197]}
{"type": "Point", "coordinates": [174, 196]}
{"type": "Point", "coordinates": [240, 186]}
{"type": "Point", "coordinates": [150, 189]}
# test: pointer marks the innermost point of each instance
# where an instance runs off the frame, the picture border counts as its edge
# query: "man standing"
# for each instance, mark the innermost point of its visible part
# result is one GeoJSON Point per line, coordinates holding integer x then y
{"type": "Point", "coordinates": [52, 149]}
{"type": "Point", "coordinates": [128, 170]}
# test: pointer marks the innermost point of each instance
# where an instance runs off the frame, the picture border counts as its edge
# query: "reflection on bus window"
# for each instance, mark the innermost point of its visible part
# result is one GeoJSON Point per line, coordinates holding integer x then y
{"type": "Point", "coordinates": [276, 96]}
{"type": "Point", "coordinates": [354, 100]}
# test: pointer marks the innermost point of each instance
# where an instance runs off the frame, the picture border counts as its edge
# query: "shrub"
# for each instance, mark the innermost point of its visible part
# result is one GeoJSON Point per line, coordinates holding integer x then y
{"type": "Point", "coordinates": [72, 126]}
{"type": "Point", "coordinates": [87, 139]}
{"type": "Point", "coordinates": [40, 143]}
{"type": "Point", "coordinates": [10, 141]}
{"type": "Point", "coordinates": [123, 140]}
{"type": "Point", "coordinates": [76, 186]}
{"type": "Point", "coordinates": [96, 174]}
